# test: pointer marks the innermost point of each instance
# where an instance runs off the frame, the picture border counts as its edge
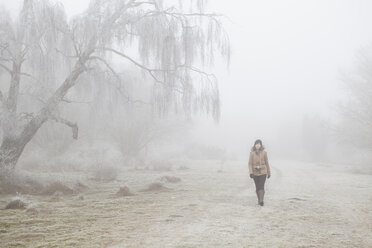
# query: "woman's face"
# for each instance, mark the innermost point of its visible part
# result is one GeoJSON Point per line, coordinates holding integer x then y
{"type": "Point", "coordinates": [258, 146]}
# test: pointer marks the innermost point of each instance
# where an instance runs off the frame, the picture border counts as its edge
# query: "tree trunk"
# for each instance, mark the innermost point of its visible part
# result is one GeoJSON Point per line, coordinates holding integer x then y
{"type": "Point", "coordinates": [10, 151]}
{"type": "Point", "coordinates": [12, 101]}
{"type": "Point", "coordinates": [14, 143]}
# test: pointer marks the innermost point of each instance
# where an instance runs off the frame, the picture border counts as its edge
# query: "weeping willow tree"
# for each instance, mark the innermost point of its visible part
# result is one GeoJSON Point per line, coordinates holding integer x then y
{"type": "Point", "coordinates": [43, 56]}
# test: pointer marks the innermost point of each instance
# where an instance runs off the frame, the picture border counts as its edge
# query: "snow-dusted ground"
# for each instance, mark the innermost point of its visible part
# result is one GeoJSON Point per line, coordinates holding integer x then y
{"type": "Point", "coordinates": [306, 205]}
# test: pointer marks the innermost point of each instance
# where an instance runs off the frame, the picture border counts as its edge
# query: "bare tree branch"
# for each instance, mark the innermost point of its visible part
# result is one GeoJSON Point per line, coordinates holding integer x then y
{"type": "Point", "coordinates": [26, 115]}
{"type": "Point", "coordinates": [74, 126]}
{"type": "Point", "coordinates": [32, 95]}
{"type": "Point", "coordinates": [180, 16]}
{"type": "Point", "coordinates": [5, 47]}
{"type": "Point", "coordinates": [1, 97]}
{"type": "Point", "coordinates": [12, 100]}
{"type": "Point", "coordinates": [119, 88]}
{"type": "Point", "coordinates": [35, 123]}
{"type": "Point", "coordinates": [27, 75]}
{"type": "Point", "coordinates": [72, 101]}
{"type": "Point", "coordinates": [5, 59]}
{"type": "Point", "coordinates": [67, 56]}
{"type": "Point", "coordinates": [106, 64]}
{"type": "Point", "coordinates": [136, 4]}
{"type": "Point", "coordinates": [6, 68]}
{"type": "Point", "coordinates": [150, 71]}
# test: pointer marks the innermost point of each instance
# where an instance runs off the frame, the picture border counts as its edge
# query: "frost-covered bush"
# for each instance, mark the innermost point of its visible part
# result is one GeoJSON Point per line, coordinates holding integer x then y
{"type": "Point", "coordinates": [201, 151]}
{"type": "Point", "coordinates": [124, 191]}
{"type": "Point", "coordinates": [156, 186]}
{"type": "Point", "coordinates": [17, 202]}
{"type": "Point", "coordinates": [161, 165]}
{"type": "Point", "coordinates": [105, 173]}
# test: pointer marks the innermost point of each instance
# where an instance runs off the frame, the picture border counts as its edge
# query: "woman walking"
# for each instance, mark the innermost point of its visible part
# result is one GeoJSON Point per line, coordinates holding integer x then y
{"type": "Point", "coordinates": [259, 169]}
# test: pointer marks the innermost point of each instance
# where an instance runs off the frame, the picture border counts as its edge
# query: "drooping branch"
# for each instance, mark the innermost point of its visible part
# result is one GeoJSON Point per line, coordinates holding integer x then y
{"type": "Point", "coordinates": [143, 67]}
{"type": "Point", "coordinates": [183, 15]}
{"type": "Point", "coordinates": [47, 111]}
{"type": "Point", "coordinates": [10, 56]}
{"type": "Point", "coordinates": [211, 77]}
{"type": "Point", "coordinates": [6, 68]}
{"type": "Point", "coordinates": [106, 64]}
{"type": "Point", "coordinates": [180, 16]}
{"type": "Point", "coordinates": [117, 76]}
{"type": "Point", "coordinates": [137, 4]}
{"type": "Point", "coordinates": [74, 127]}
{"type": "Point", "coordinates": [26, 115]}
{"type": "Point", "coordinates": [73, 101]}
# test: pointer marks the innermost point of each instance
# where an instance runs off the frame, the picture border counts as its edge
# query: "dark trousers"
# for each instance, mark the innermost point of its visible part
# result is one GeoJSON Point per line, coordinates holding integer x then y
{"type": "Point", "coordinates": [259, 181]}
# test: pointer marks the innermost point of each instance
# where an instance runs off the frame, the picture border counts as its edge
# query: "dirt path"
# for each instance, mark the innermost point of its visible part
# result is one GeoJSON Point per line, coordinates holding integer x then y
{"type": "Point", "coordinates": [306, 205]}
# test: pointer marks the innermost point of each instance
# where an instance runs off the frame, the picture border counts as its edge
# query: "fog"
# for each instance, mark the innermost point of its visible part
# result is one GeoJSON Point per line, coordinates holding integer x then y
{"type": "Point", "coordinates": [287, 61]}
{"type": "Point", "coordinates": [180, 112]}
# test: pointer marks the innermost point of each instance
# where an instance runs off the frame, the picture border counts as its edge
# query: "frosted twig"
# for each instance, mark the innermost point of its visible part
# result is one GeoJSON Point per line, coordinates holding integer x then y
{"type": "Point", "coordinates": [149, 70]}
{"type": "Point", "coordinates": [136, 4]}
{"type": "Point", "coordinates": [26, 115]}
{"type": "Point", "coordinates": [72, 101]}
{"type": "Point", "coordinates": [67, 56]}
{"type": "Point", "coordinates": [6, 68]}
{"type": "Point", "coordinates": [5, 59]}
{"type": "Point", "coordinates": [1, 97]}
{"type": "Point", "coordinates": [27, 75]}
{"type": "Point", "coordinates": [106, 64]}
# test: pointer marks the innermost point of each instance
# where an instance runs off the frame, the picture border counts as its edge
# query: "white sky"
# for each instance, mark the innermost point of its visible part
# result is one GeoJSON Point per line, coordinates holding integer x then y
{"type": "Point", "coordinates": [287, 57]}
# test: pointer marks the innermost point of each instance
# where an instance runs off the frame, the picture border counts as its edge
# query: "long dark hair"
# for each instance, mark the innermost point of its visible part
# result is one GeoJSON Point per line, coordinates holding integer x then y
{"type": "Point", "coordinates": [253, 149]}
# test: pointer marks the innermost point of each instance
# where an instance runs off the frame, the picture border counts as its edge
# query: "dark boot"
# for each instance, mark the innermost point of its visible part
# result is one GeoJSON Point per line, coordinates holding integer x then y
{"type": "Point", "coordinates": [261, 194]}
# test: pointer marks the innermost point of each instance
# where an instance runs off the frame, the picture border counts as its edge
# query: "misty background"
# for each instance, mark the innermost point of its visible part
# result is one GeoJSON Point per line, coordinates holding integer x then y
{"type": "Point", "coordinates": [283, 84]}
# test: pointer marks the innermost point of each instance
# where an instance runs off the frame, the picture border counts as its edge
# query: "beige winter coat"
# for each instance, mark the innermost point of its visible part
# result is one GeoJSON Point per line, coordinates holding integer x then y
{"type": "Point", "coordinates": [259, 158]}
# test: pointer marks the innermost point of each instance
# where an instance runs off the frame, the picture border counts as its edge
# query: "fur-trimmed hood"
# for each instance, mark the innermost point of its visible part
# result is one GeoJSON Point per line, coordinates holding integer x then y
{"type": "Point", "coordinates": [253, 149]}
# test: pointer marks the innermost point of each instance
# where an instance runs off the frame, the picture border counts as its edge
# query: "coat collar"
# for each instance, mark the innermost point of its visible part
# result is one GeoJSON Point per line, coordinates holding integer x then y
{"type": "Point", "coordinates": [261, 150]}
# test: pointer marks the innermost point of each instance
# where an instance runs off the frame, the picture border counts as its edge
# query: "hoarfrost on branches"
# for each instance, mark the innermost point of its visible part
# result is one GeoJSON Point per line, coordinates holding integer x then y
{"type": "Point", "coordinates": [45, 55]}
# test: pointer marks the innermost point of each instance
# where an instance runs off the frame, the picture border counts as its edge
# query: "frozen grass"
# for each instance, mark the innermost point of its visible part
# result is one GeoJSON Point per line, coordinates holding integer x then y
{"type": "Point", "coordinates": [42, 183]}
{"type": "Point", "coordinates": [124, 191]}
{"type": "Point", "coordinates": [156, 186]}
{"type": "Point", "coordinates": [105, 173]}
{"type": "Point", "coordinates": [21, 185]}
{"type": "Point", "coordinates": [305, 206]}
{"type": "Point", "coordinates": [161, 165]}
{"type": "Point", "coordinates": [170, 179]}
{"type": "Point", "coordinates": [56, 187]}
{"type": "Point", "coordinates": [16, 203]}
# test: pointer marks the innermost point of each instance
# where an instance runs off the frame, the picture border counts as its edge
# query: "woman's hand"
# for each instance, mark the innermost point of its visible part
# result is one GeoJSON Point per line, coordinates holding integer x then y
{"type": "Point", "coordinates": [268, 175]}
{"type": "Point", "coordinates": [251, 175]}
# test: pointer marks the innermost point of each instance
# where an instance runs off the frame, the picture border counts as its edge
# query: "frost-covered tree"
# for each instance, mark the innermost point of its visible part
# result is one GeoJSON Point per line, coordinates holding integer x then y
{"type": "Point", "coordinates": [355, 126]}
{"type": "Point", "coordinates": [45, 55]}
